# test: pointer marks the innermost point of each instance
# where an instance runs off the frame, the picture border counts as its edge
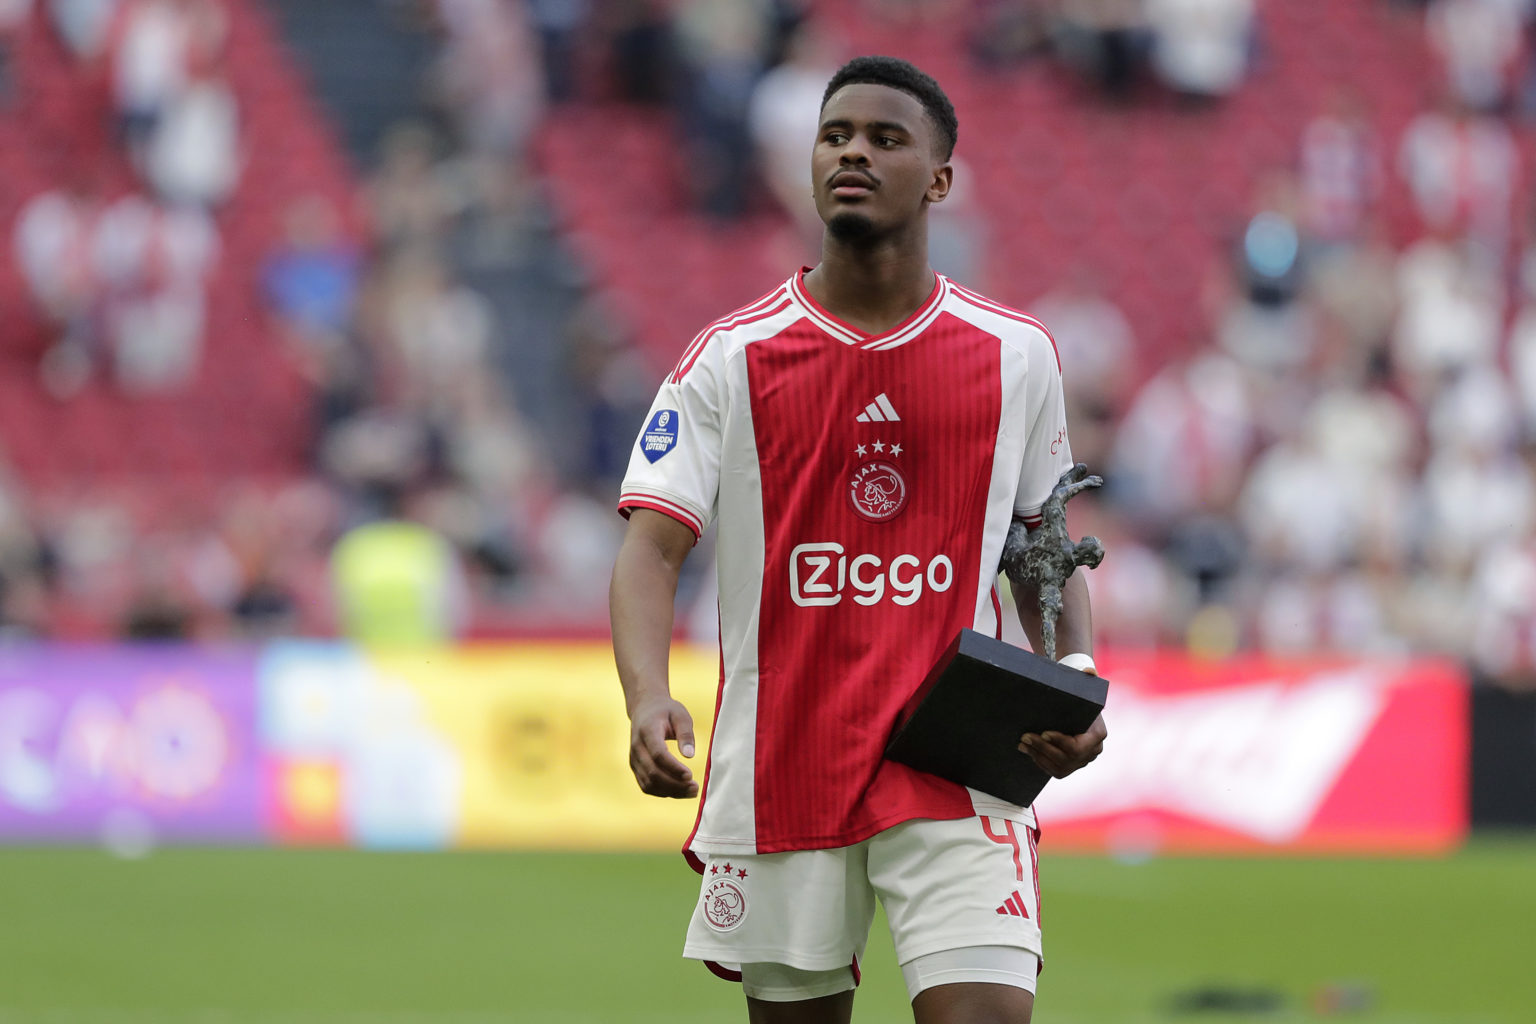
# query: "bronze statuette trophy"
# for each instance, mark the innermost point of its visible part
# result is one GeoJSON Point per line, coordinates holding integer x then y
{"type": "Point", "coordinates": [964, 722]}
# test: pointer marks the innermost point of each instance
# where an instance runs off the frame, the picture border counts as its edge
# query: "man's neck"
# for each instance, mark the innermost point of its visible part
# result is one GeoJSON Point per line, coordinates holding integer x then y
{"type": "Point", "coordinates": [872, 287]}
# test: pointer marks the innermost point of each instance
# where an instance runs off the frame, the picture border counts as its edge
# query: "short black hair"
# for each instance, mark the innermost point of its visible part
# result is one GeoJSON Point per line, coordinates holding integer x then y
{"type": "Point", "coordinates": [899, 74]}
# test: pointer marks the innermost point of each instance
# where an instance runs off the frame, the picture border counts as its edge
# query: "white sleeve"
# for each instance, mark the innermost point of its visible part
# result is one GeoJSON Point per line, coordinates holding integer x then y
{"type": "Point", "coordinates": [1047, 452]}
{"type": "Point", "coordinates": [675, 465]}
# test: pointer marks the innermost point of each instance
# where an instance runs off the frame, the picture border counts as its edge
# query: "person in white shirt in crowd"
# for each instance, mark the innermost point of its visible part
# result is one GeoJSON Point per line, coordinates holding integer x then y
{"type": "Point", "coordinates": [1479, 43]}
{"type": "Point", "coordinates": [1461, 169]}
{"type": "Point", "coordinates": [153, 263]}
{"type": "Point", "coordinates": [1450, 315]}
{"type": "Point", "coordinates": [782, 114]}
{"type": "Point", "coordinates": [1200, 47]}
{"type": "Point", "coordinates": [52, 239]}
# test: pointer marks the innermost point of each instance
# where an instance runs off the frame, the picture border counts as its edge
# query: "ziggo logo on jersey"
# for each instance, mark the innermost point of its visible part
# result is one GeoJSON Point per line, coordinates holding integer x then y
{"type": "Point", "coordinates": [819, 573]}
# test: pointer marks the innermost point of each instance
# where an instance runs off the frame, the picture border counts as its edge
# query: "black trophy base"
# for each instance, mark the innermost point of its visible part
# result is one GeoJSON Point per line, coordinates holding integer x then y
{"type": "Point", "coordinates": [964, 723]}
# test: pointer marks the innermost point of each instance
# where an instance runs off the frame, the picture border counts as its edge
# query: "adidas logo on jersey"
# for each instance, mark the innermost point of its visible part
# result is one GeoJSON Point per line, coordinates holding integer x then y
{"type": "Point", "coordinates": [879, 411]}
{"type": "Point", "coordinates": [1013, 906]}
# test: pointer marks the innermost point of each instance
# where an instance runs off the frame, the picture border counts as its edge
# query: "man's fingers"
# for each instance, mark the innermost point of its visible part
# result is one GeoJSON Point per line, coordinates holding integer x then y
{"type": "Point", "coordinates": [655, 743]}
{"type": "Point", "coordinates": [1059, 754]}
{"type": "Point", "coordinates": [656, 781]}
{"type": "Point", "coordinates": [682, 728]}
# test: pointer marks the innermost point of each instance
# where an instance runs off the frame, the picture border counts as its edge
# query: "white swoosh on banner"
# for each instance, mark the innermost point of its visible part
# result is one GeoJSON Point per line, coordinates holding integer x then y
{"type": "Point", "coordinates": [1259, 759]}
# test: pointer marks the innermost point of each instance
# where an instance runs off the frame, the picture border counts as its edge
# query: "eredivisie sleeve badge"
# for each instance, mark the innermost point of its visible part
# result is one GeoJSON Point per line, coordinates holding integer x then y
{"type": "Point", "coordinates": [660, 435]}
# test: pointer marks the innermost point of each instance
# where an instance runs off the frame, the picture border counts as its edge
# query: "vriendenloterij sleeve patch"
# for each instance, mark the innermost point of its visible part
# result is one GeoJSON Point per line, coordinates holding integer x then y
{"type": "Point", "coordinates": [660, 435]}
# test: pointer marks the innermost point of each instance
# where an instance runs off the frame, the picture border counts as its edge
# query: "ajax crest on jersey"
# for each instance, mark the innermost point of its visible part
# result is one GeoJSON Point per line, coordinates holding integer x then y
{"type": "Point", "coordinates": [725, 904]}
{"type": "Point", "coordinates": [878, 491]}
{"type": "Point", "coordinates": [660, 435]}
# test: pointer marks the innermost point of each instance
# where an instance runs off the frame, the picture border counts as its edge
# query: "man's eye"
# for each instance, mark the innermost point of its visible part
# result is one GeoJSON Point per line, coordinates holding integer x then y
{"type": "Point", "coordinates": [836, 137]}
{"type": "Point", "coordinates": [888, 140]}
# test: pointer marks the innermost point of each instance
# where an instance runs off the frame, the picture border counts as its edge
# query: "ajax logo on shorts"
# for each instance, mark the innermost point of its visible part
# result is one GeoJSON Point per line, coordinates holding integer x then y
{"type": "Point", "coordinates": [660, 435]}
{"type": "Point", "coordinates": [725, 901]}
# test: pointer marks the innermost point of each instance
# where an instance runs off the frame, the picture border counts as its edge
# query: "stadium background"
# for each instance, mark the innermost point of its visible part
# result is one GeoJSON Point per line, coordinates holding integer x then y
{"type": "Point", "coordinates": [327, 328]}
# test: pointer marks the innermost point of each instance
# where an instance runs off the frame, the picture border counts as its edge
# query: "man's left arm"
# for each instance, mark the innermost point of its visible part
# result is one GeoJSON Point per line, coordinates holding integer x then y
{"type": "Point", "coordinates": [1057, 753]}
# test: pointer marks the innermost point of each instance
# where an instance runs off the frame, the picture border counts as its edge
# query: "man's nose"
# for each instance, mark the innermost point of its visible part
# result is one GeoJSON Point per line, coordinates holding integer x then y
{"type": "Point", "coordinates": [856, 151]}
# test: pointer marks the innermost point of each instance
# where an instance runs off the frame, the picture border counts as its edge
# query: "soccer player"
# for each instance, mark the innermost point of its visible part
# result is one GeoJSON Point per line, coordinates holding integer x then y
{"type": "Point", "coordinates": [864, 434]}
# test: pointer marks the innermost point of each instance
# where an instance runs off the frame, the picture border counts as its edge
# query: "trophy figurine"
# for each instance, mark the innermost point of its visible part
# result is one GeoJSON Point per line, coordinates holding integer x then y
{"type": "Point", "coordinates": [964, 722]}
{"type": "Point", "coordinates": [1045, 556]}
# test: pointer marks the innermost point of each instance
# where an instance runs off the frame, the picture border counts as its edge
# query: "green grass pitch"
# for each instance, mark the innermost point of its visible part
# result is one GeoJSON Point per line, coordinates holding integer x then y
{"type": "Point", "coordinates": [200, 936]}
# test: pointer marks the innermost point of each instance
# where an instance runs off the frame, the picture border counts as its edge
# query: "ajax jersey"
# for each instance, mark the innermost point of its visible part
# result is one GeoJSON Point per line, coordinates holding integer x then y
{"type": "Point", "coordinates": [863, 485]}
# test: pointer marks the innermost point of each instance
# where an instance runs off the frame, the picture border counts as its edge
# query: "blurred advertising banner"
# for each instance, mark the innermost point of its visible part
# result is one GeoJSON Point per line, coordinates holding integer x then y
{"type": "Point", "coordinates": [128, 745]}
{"type": "Point", "coordinates": [526, 746]}
{"type": "Point", "coordinates": [508, 746]}
{"type": "Point", "coordinates": [1261, 755]}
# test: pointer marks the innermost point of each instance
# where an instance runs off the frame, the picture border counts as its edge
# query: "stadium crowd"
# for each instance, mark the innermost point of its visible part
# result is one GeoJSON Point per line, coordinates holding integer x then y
{"type": "Point", "coordinates": [1346, 461]}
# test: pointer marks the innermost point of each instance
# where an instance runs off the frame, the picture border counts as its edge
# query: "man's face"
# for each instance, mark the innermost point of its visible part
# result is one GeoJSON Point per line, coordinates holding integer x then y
{"type": "Point", "coordinates": [876, 162]}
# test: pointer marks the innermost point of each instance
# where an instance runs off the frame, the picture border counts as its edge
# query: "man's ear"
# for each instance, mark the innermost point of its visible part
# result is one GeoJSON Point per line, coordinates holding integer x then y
{"type": "Point", "coordinates": [938, 189]}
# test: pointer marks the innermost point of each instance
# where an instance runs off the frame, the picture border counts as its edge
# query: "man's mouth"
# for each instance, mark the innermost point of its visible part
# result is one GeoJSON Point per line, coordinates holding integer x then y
{"type": "Point", "coordinates": [852, 185]}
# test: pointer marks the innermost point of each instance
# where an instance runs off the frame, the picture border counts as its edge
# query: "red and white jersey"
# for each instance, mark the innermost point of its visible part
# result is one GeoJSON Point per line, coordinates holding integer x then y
{"type": "Point", "coordinates": [864, 485]}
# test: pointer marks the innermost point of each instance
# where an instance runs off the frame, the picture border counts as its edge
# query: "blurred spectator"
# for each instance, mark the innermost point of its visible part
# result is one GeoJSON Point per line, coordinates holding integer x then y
{"type": "Point", "coordinates": [1340, 168]}
{"type": "Point", "coordinates": [53, 239]}
{"type": "Point", "coordinates": [1184, 443]}
{"type": "Point", "coordinates": [1503, 595]}
{"type": "Point", "coordinates": [1297, 511]}
{"type": "Point", "coordinates": [1450, 315]}
{"type": "Point", "coordinates": [1107, 40]}
{"type": "Point", "coordinates": [1008, 31]}
{"type": "Point", "coordinates": [1200, 47]}
{"type": "Point", "coordinates": [311, 278]}
{"type": "Point", "coordinates": [1461, 169]}
{"type": "Point", "coordinates": [1355, 290]}
{"type": "Point", "coordinates": [490, 74]}
{"type": "Point", "coordinates": [610, 380]}
{"type": "Point", "coordinates": [783, 118]}
{"type": "Point", "coordinates": [1478, 43]}
{"type": "Point", "coordinates": [644, 50]}
{"type": "Point", "coordinates": [724, 49]}
{"type": "Point", "coordinates": [1522, 365]}
{"type": "Point", "coordinates": [153, 263]}
{"type": "Point", "coordinates": [398, 583]}
{"type": "Point", "coordinates": [152, 54]}
{"type": "Point", "coordinates": [1093, 337]}
{"type": "Point", "coordinates": [24, 567]}
{"type": "Point", "coordinates": [957, 230]}
{"type": "Point", "coordinates": [156, 615]}
{"type": "Point", "coordinates": [408, 198]}
{"type": "Point", "coordinates": [1474, 497]}
{"type": "Point", "coordinates": [84, 25]}
{"type": "Point", "coordinates": [192, 155]}
{"type": "Point", "coordinates": [440, 330]}
{"type": "Point", "coordinates": [1098, 359]}
{"type": "Point", "coordinates": [1266, 328]}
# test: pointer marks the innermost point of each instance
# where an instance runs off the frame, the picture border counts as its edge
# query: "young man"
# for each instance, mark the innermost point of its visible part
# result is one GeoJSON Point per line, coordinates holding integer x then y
{"type": "Point", "coordinates": [864, 434]}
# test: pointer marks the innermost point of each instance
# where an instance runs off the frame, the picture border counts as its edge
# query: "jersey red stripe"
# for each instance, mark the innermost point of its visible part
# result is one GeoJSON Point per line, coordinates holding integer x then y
{"type": "Point", "coordinates": [745, 314]}
{"type": "Point", "coordinates": [629, 502]}
{"type": "Point", "coordinates": [981, 302]}
{"type": "Point", "coordinates": [682, 370]}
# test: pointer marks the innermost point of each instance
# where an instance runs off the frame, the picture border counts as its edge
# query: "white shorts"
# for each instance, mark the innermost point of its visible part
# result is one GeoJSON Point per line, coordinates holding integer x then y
{"type": "Point", "coordinates": [945, 885]}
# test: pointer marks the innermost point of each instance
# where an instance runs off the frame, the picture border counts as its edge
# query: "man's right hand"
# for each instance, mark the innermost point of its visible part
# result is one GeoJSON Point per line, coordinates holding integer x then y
{"type": "Point", "coordinates": [656, 770]}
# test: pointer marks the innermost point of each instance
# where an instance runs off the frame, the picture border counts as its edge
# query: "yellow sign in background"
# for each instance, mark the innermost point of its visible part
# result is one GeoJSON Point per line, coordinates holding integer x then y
{"type": "Point", "coordinates": [542, 743]}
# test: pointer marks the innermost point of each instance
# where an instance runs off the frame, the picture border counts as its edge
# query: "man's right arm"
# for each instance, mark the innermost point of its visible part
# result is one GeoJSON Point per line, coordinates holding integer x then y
{"type": "Point", "coordinates": [640, 606]}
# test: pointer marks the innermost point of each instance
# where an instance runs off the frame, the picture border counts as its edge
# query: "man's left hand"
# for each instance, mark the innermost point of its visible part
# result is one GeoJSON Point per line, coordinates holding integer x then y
{"type": "Point", "coordinates": [1059, 754]}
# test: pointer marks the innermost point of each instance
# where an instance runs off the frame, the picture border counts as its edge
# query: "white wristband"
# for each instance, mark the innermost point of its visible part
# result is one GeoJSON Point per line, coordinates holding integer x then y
{"type": "Point", "coordinates": [1081, 662]}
